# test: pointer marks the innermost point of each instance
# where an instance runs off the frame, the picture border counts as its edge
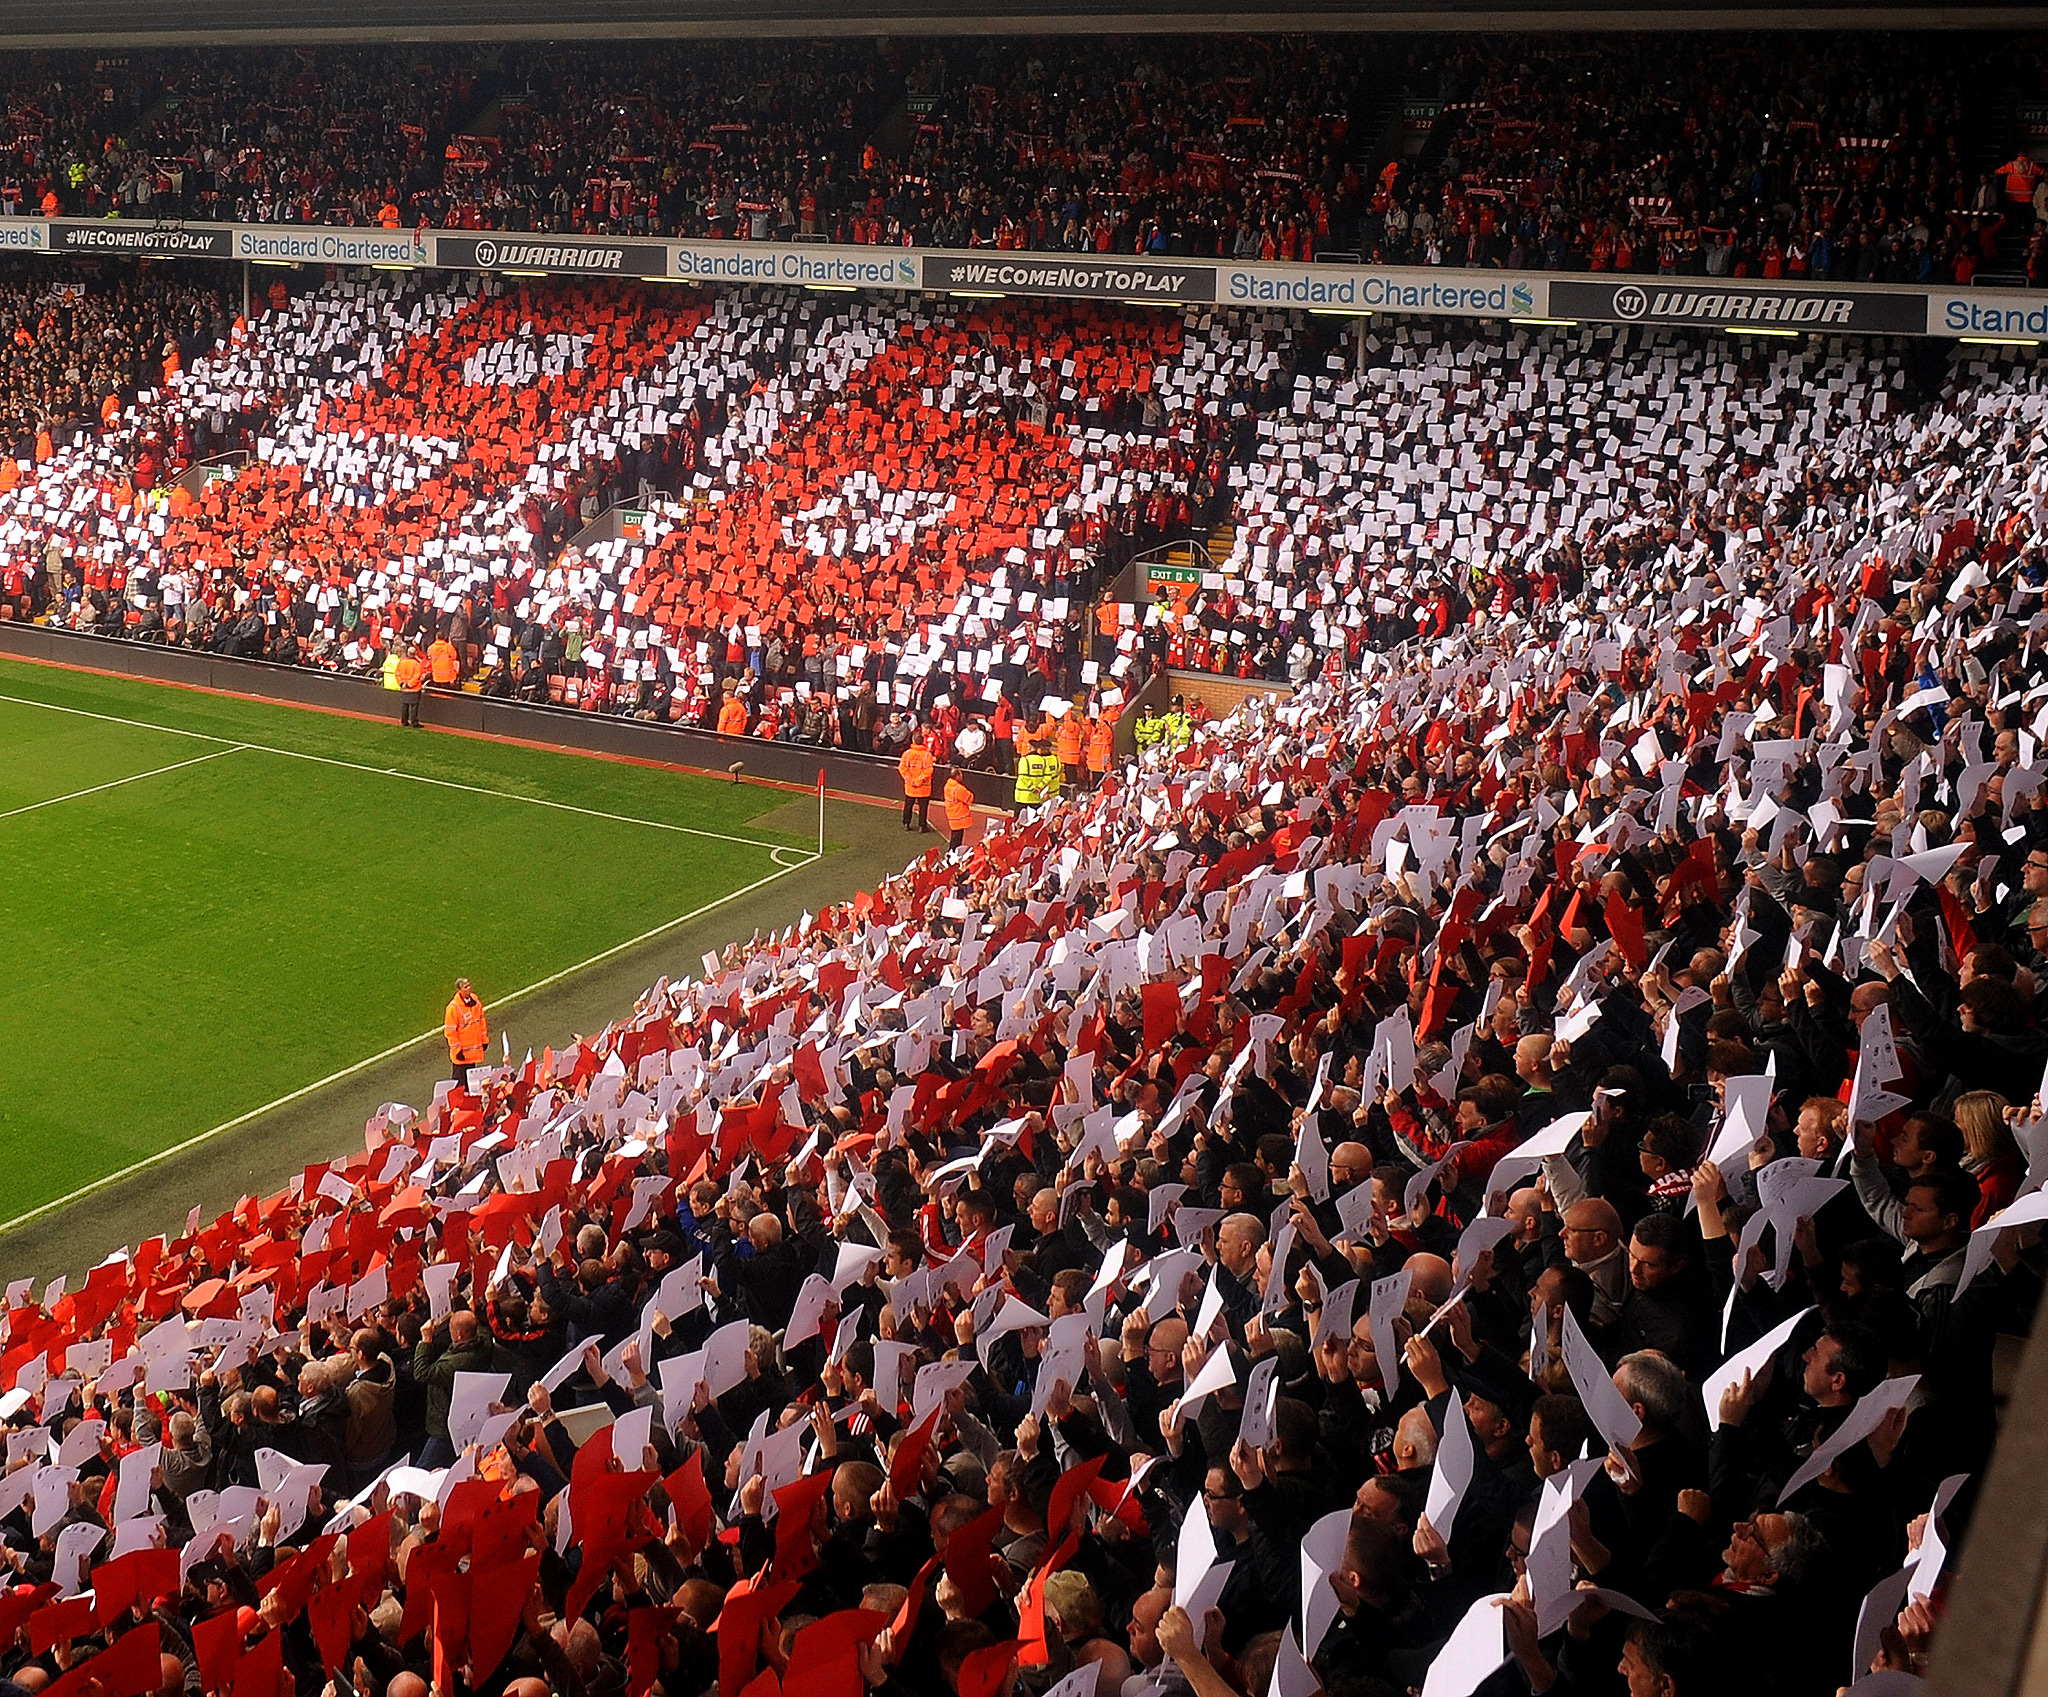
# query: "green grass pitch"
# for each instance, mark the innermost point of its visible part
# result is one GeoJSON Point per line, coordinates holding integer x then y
{"type": "Point", "coordinates": [208, 903]}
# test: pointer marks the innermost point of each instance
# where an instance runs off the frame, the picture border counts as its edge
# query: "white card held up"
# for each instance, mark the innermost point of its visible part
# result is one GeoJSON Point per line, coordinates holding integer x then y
{"type": "Point", "coordinates": [1475, 1649]}
{"type": "Point", "coordinates": [1878, 1610]}
{"type": "Point", "coordinates": [145, 1532]}
{"type": "Point", "coordinates": [1080, 1683]}
{"type": "Point", "coordinates": [1932, 1555]}
{"type": "Point", "coordinates": [1206, 1596]}
{"type": "Point", "coordinates": [725, 1357]}
{"type": "Point", "coordinates": [1195, 1554]}
{"type": "Point", "coordinates": [1746, 1112]}
{"type": "Point", "coordinates": [1292, 1676]}
{"type": "Point", "coordinates": [440, 1282]}
{"type": "Point", "coordinates": [1355, 1212]}
{"type": "Point", "coordinates": [1396, 1035]}
{"type": "Point", "coordinates": [1168, 1271]}
{"type": "Point", "coordinates": [1313, 1158]}
{"type": "Point", "coordinates": [469, 1405]}
{"type": "Point", "coordinates": [1216, 1373]}
{"type": "Point", "coordinates": [1339, 1308]}
{"type": "Point", "coordinates": [1112, 1267]}
{"type": "Point", "coordinates": [1529, 1155]}
{"type": "Point", "coordinates": [75, 1545]}
{"type": "Point", "coordinates": [631, 1434]}
{"type": "Point", "coordinates": [890, 1359]}
{"type": "Point", "coordinates": [1476, 1239]}
{"type": "Point", "coordinates": [934, 1380]}
{"type": "Point", "coordinates": [1608, 1409]}
{"type": "Point", "coordinates": [1322, 1548]}
{"type": "Point", "coordinates": [1061, 1361]}
{"type": "Point", "coordinates": [368, 1292]}
{"type": "Point", "coordinates": [49, 1496]}
{"type": "Point", "coordinates": [1451, 1476]}
{"type": "Point", "coordinates": [80, 1445]}
{"type": "Point", "coordinates": [1261, 1398]}
{"type": "Point", "coordinates": [131, 1493]}
{"type": "Point", "coordinates": [804, 1318]}
{"type": "Point", "coordinates": [1749, 1359]}
{"type": "Point", "coordinates": [1158, 1200]}
{"type": "Point", "coordinates": [2028, 1210]}
{"type": "Point", "coordinates": [680, 1377]}
{"type": "Point", "coordinates": [843, 1337]}
{"type": "Point", "coordinates": [780, 1462]}
{"type": "Point", "coordinates": [1863, 1419]}
{"type": "Point", "coordinates": [1389, 1297]}
{"type": "Point", "coordinates": [558, 1375]}
{"type": "Point", "coordinates": [1015, 1315]}
{"type": "Point", "coordinates": [1549, 1564]}
{"type": "Point", "coordinates": [1278, 1286]}
{"type": "Point", "coordinates": [679, 1293]}
{"type": "Point", "coordinates": [852, 1264]}
{"type": "Point", "coordinates": [1933, 865]}
{"type": "Point", "coordinates": [1877, 1043]}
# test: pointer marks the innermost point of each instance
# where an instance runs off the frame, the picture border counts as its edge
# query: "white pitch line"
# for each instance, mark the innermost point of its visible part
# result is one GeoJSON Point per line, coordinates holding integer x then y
{"type": "Point", "coordinates": [539, 984]}
{"type": "Point", "coordinates": [392, 772]}
{"type": "Point", "coordinates": [116, 783]}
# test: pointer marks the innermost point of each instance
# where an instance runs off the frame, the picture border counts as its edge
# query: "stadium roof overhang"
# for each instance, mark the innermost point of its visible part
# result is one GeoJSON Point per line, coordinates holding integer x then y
{"type": "Point", "coordinates": [192, 22]}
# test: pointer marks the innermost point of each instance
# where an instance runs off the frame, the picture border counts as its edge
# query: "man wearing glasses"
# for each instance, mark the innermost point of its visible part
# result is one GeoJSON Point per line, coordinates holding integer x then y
{"type": "Point", "coordinates": [2005, 920]}
{"type": "Point", "coordinates": [2032, 950]}
{"type": "Point", "coordinates": [2016, 911]}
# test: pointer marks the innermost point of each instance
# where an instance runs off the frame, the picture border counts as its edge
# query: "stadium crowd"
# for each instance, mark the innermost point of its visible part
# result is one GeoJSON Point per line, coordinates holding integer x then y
{"type": "Point", "coordinates": [1467, 467]}
{"type": "Point", "coordinates": [1189, 147]}
{"type": "Point", "coordinates": [1505, 1171]}
{"type": "Point", "coordinates": [929, 494]}
{"type": "Point", "coordinates": [74, 353]}
{"type": "Point", "coordinates": [752, 141]}
{"type": "Point", "coordinates": [847, 512]}
{"type": "Point", "coordinates": [1840, 160]}
{"type": "Point", "coordinates": [1781, 156]}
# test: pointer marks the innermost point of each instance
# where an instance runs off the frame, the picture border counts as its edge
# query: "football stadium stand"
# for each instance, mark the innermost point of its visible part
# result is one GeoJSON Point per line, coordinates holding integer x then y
{"type": "Point", "coordinates": [1858, 160]}
{"type": "Point", "coordinates": [1897, 159]}
{"type": "Point", "coordinates": [1131, 1251]}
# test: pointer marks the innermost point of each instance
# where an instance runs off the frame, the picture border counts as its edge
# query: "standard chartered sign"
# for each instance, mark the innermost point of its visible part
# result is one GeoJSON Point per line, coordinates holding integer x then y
{"type": "Point", "coordinates": [2024, 316]}
{"type": "Point", "coordinates": [801, 263]}
{"type": "Point", "coordinates": [333, 247]}
{"type": "Point", "coordinates": [1465, 294]}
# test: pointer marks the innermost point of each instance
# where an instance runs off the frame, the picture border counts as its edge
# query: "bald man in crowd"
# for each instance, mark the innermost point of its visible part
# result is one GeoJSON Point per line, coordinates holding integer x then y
{"type": "Point", "coordinates": [1590, 1236]}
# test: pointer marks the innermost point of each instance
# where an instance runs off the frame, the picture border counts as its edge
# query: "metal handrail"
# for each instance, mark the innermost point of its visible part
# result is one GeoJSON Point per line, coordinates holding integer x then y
{"type": "Point", "coordinates": [1158, 554]}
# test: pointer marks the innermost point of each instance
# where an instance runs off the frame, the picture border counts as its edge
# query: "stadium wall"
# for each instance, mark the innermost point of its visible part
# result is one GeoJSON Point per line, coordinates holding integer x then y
{"type": "Point", "coordinates": [1221, 695]}
{"type": "Point", "coordinates": [1993, 1640]}
{"type": "Point", "coordinates": [554, 727]}
{"type": "Point", "coordinates": [1775, 308]}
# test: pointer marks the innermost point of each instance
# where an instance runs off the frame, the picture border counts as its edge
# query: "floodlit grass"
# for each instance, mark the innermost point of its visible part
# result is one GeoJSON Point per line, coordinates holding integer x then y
{"type": "Point", "coordinates": [208, 903]}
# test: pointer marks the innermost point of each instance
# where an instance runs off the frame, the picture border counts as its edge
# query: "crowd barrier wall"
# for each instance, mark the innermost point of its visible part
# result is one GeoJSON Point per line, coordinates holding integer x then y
{"type": "Point", "coordinates": [554, 727]}
{"type": "Point", "coordinates": [1781, 307]}
{"type": "Point", "coordinates": [1221, 694]}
